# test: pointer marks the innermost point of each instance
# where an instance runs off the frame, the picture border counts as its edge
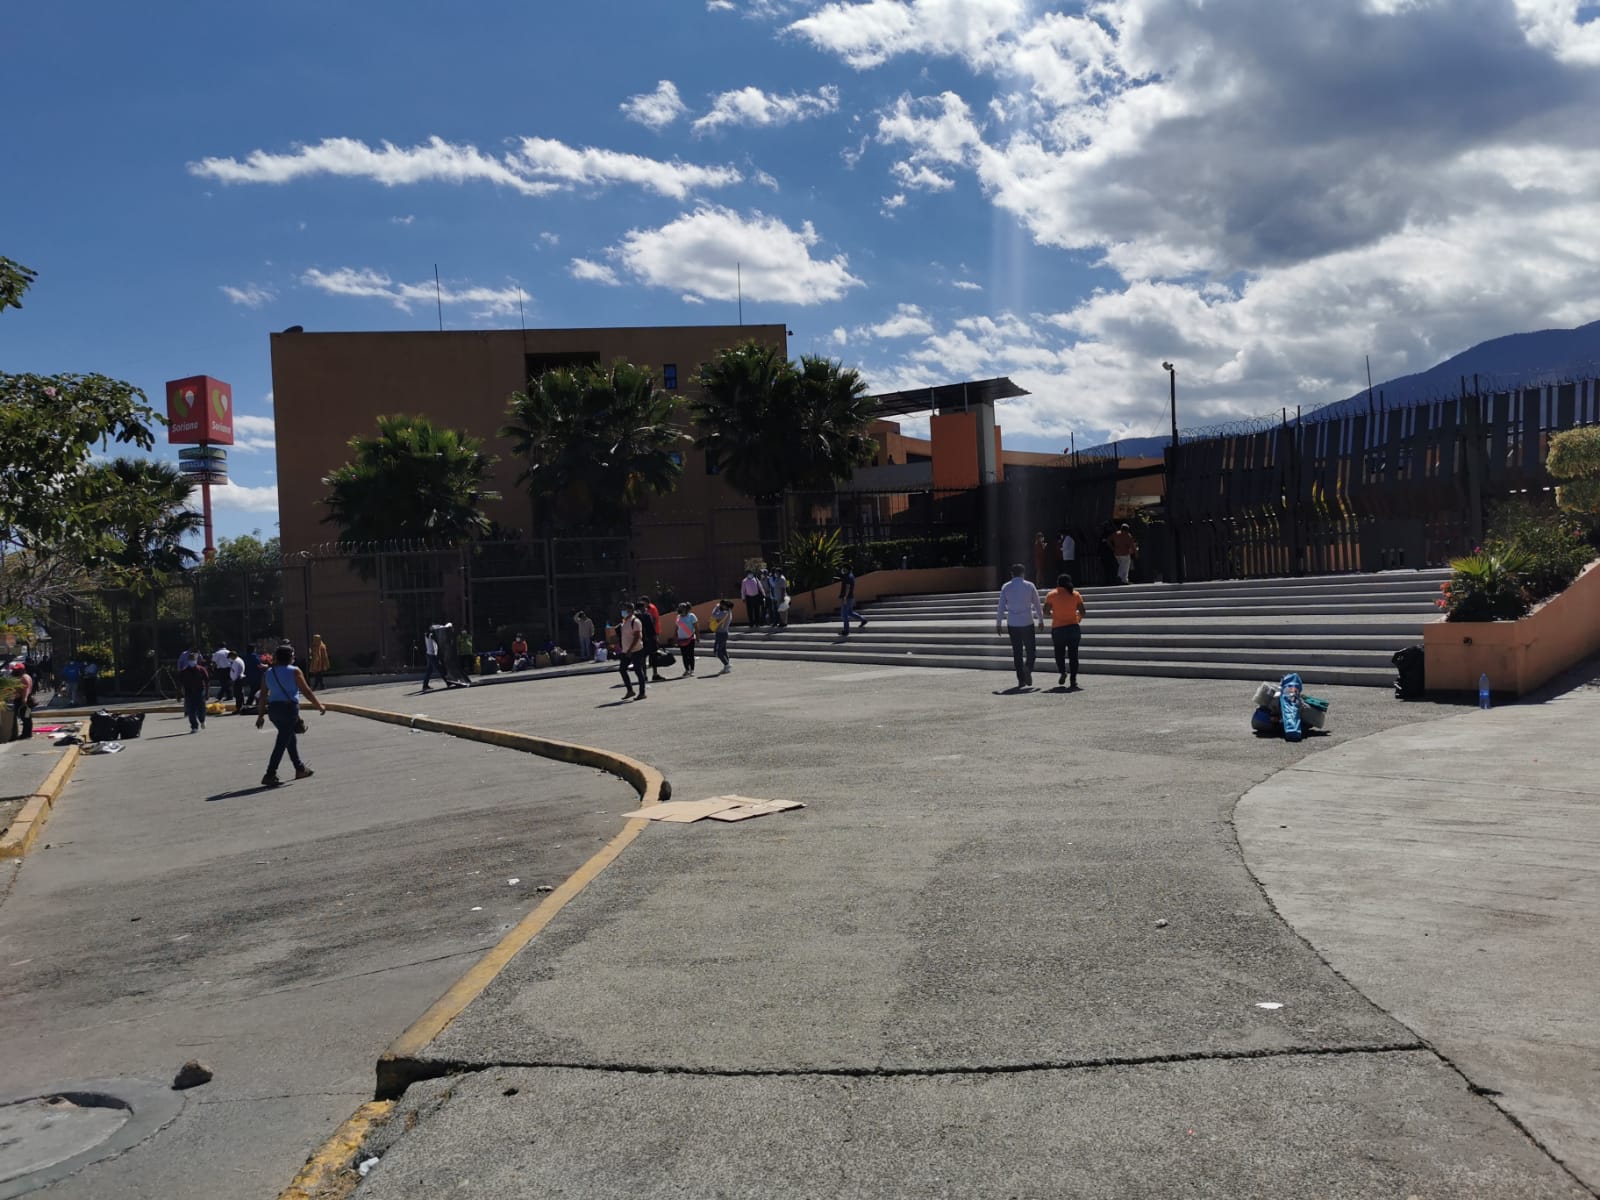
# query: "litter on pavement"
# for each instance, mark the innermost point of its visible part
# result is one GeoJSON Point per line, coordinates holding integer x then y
{"type": "Point", "coordinates": [718, 808]}
{"type": "Point", "coordinates": [1283, 710]}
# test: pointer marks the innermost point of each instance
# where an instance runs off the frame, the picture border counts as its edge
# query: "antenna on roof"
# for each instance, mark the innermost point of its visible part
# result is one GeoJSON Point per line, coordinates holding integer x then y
{"type": "Point", "coordinates": [438, 296]}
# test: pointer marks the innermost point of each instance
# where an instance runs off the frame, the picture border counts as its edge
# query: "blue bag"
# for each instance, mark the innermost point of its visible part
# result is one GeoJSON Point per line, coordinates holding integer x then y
{"type": "Point", "coordinates": [1289, 707]}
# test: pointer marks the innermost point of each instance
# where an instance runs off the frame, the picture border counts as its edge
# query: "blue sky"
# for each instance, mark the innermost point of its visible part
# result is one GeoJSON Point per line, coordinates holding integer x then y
{"type": "Point", "coordinates": [1264, 191]}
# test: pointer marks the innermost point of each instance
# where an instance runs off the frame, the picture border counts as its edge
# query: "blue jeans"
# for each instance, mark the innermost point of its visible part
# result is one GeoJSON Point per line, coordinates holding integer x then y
{"type": "Point", "coordinates": [719, 645]}
{"type": "Point", "coordinates": [847, 610]}
{"type": "Point", "coordinates": [283, 716]}
{"type": "Point", "coordinates": [194, 707]}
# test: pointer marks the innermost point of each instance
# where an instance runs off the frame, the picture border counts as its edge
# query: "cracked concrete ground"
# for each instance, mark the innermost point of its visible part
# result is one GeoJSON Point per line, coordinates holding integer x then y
{"type": "Point", "coordinates": [946, 975]}
{"type": "Point", "coordinates": [283, 937]}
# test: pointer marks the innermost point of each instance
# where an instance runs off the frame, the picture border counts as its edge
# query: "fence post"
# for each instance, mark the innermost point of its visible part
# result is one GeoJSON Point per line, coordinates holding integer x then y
{"type": "Point", "coordinates": [1472, 460]}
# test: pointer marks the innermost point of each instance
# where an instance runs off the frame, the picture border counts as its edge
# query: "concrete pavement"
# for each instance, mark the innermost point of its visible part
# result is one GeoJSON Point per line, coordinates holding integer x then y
{"type": "Point", "coordinates": [1448, 871]}
{"type": "Point", "coordinates": [173, 909]}
{"type": "Point", "coordinates": [1009, 948]}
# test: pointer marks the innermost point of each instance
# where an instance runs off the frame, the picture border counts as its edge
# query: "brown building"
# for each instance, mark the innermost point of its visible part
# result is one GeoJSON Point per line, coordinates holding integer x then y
{"type": "Point", "coordinates": [330, 387]}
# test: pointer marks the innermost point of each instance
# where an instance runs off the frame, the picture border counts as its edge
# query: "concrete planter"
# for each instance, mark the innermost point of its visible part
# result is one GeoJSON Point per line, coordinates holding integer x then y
{"type": "Point", "coordinates": [1517, 656]}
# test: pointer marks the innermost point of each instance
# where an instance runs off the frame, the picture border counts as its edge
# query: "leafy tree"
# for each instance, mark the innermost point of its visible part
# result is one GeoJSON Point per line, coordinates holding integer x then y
{"type": "Point", "coordinates": [598, 442]}
{"type": "Point", "coordinates": [54, 534]}
{"type": "Point", "coordinates": [771, 427]}
{"type": "Point", "coordinates": [145, 515]}
{"type": "Point", "coordinates": [239, 594]}
{"type": "Point", "coordinates": [412, 480]}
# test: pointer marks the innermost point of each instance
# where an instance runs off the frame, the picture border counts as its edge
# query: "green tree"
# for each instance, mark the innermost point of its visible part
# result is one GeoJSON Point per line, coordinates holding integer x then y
{"type": "Point", "coordinates": [598, 442]}
{"type": "Point", "coordinates": [412, 480]}
{"type": "Point", "coordinates": [53, 530]}
{"type": "Point", "coordinates": [145, 517]}
{"type": "Point", "coordinates": [770, 427]}
{"type": "Point", "coordinates": [239, 594]}
{"type": "Point", "coordinates": [1574, 459]}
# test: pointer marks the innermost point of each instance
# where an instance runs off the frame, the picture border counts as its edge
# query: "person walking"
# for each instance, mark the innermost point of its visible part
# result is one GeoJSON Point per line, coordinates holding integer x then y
{"type": "Point", "coordinates": [1041, 556]}
{"type": "Point", "coordinates": [320, 659]}
{"type": "Point", "coordinates": [70, 675]}
{"type": "Point", "coordinates": [750, 590]}
{"type": "Point", "coordinates": [195, 682]}
{"type": "Point", "coordinates": [219, 670]}
{"type": "Point", "coordinates": [1065, 606]}
{"type": "Point", "coordinates": [1124, 548]}
{"type": "Point", "coordinates": [91, 682]}
{"type": "Point", "coordinates": [585, 635]}
{"type": "Point", "coordinates": [650, 618]}
{"type": "Point", "coordinates": [436, 645]}
{"type": "Point", "coordinates": [1067, 546]}
{"type": "Point", "coordinates": [251, 681]}
{"type": "Point", "coordinates": [721, 618]}
{"type": "Point", "coordinates": [688, 630]}
{"type": "Point", "coordinates": [780, 598]}
{"type": "Point", "coordinates": [1020, 615]}
{"type": "Point", "coordinates": [282, 685]}
{"type": "Point", "coordinates": [236, 678]}
{"type": "Point", "coordinates": [847, 602]}
{"type": "Point", "coordinates": [22, 702]}
{"type": "Point", "coordinates": [630, 650]}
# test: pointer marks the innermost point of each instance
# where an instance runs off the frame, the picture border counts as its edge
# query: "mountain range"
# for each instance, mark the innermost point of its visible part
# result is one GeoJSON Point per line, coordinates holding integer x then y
{"type": "Point", "coordinates": [1501, 364]}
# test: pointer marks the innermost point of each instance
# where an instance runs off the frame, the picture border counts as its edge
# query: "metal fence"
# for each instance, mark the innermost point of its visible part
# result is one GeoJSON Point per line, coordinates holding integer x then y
{"type": "Point", "coordinates": [1365, 491]}
{"type": "Point", "coordinates": [371, 604]}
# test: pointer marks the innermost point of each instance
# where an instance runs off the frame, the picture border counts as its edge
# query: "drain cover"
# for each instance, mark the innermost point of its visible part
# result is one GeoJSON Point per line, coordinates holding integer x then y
{"type": "Point", "coordinates": [48, 1134]}
{"type": "Point", "coordinates": [39, 1133]}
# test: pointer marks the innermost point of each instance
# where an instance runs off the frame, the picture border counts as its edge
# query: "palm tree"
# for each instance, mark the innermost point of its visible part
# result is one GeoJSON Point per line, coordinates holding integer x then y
{"type": "Point", "coordinates": [413, 480]}
{"type": "Point", "coordinates": [598, 442]}
{"type": "Point", "coordinates": [144, 517]}
{"type": "Point", "coordinates": [768, 427]}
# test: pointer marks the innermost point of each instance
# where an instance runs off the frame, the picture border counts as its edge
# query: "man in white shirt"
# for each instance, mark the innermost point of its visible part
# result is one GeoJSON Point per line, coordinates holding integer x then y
{"type": "Point", "coordinates": [1021, 616]}
{"type": "Point", "coordinates": [1069, 554]}
{"type": "Point", "coordinates": [236, 680]}
{"type": "Point", "coordinates": [430, 647]}
{"type": "Point", "coordinates": [221, 660]}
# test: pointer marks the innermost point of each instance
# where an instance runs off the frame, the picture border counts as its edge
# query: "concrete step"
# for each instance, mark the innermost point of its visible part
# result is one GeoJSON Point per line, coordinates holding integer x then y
{"type": "Point", "coordinates": [1350, 676]}
{"type": "Point", "coordinates": [1420, 580]}
{"type": "Point", "coordinates": [816, 637]}
{"type": "Point", "coordinates": [1408, 626]}
{"type": "Point", "coordinates": [1172, 609]}
{"type": "Point", "coordinates": [1290, 658]}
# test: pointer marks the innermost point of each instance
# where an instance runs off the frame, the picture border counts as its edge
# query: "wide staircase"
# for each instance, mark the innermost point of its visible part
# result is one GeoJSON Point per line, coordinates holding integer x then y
{"type": "Point", "coordinates": [1332, 629]}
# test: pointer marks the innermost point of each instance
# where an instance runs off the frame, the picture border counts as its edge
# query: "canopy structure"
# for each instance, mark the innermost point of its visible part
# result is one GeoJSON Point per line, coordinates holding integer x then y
{"type": "Point", "coordinates": [946, 397]}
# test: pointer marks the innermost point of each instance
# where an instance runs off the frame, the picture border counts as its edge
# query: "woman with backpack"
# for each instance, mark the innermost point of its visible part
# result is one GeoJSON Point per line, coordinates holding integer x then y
{"type": "Point", "coordinates": [282, 685]}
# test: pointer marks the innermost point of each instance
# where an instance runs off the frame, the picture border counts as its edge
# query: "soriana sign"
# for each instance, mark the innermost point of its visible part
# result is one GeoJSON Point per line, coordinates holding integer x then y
{"type": "Point", "coordinates": [200, 409]}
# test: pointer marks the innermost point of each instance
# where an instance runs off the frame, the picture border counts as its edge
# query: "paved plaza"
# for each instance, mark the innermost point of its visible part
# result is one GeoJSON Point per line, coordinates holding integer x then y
{"type": "Point", "coordinates": [1010, 947]}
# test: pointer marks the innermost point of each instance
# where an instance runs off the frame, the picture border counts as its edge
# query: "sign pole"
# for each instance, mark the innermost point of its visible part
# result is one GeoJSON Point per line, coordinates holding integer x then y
{"type": "Point", "coordinates": [205, 507]}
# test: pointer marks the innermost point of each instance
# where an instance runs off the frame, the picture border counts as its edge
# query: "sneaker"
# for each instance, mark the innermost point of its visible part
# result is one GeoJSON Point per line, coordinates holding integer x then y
{"type": "Point", "coordinates": [270, 780]}
{"type": "Point", "coordinates": [863, 622]}
{"type": "Point", "coordinates": [303, 772]}
{"type": "Point", "coordinates": [642, 696]}
{"type": "Point", "coordinates": [1074, 681]}
{"type": "Point", "coordinates": [628, 695]}
{"type": "Point", "coordinates": [426, 688]}
{"type": "Point", "coordinates": [1062, 679]}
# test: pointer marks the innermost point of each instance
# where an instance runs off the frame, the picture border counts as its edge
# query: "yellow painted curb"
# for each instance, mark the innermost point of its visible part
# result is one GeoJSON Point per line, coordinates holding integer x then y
{"type": "Point", "coordinates": [399, 1066]}
{"type": "Point", "coordinates": [36, 809]}
{"type": "Point", "coordinates": [320, 1178]}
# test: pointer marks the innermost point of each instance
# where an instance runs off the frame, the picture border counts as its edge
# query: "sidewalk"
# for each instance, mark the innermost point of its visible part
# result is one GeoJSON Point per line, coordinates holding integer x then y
{"type": "Point", "coordinates": [1449, 871]}
{"type": "Point", "coordinates": [1009, 948]}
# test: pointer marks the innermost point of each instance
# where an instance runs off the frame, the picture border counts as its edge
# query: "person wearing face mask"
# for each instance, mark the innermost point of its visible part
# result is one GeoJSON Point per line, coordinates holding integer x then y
{"type": "Point", "coordinates": [630, 650]}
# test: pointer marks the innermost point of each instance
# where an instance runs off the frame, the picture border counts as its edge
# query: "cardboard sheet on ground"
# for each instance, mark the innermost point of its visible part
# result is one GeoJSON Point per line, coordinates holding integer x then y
{"type": "Point", "coordinates": [719, 808]}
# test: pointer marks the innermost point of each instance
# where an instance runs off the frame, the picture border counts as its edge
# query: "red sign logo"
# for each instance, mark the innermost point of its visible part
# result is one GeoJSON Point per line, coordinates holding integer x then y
{"type": "Point", "coordinates": [199, 410]}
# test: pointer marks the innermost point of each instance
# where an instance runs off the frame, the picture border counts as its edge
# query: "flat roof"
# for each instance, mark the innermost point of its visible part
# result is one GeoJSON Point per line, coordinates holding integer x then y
{"type": "Point", "coordinates": [945, 397]}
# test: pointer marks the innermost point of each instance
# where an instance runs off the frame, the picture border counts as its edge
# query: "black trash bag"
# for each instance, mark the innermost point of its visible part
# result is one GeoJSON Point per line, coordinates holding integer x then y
{"type": "Point", "coordinates": [1413, 680]}
{"type": "Point", "coordinates": [103, 726]}
{"type": "Point", "coordinates": [129, 726]}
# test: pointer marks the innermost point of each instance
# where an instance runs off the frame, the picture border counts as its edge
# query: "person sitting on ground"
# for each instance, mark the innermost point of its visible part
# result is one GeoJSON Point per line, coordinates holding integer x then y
{"type": "Point", "coordinates": [519, 653]}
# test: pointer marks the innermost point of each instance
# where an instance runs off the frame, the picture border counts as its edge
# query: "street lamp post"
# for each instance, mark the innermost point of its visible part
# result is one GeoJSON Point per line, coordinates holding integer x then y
{"type": "Point", "coordinates": [1172, 474]}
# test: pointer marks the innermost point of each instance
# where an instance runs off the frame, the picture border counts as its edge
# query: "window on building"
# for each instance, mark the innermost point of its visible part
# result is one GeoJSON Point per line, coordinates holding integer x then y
{"type": "Point", "coordinates": [669, 377]}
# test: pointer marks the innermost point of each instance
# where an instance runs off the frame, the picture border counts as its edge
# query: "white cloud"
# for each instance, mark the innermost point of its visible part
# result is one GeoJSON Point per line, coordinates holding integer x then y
{"type": "Point", "coordinates": [239, 497]}
{"type": "Point", "coordinates": [920, 178]}
{"type": "Point", "coordinates": [892, 204]}
{"type": "Point", "coordinates": [868, 34]}
{"type": "Point", "coordinates": [534, 167]}
{"type": "Point", "coordinates": [250, 295]}
{"type": "Point", "coordinates": [753, 107]}
{"type": "Point", "coordinates": [966, 285]}
{"type": "Point", "coordinates": [592, 272]}
{"type": "Point", "coordinates": [907, 321]}
{"type": "Point", "coordinates": [405, 220]}
{"type": "Point", "coordinates": [366, 283]}
{"type": "Point", "coordinates": [704, 252]}
{"type": "Point", "coordinates": [550, 239]}
{"type": "Point", "coordinates": [252, 433]}
{"type": "Point", "coordinates": [763, 179]}
{"type": "Point", "coordinates": [656, 109]}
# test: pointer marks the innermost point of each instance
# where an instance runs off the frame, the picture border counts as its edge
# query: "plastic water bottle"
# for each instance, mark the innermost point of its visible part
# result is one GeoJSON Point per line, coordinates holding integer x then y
{"type": "Point", "coordinates": [1483, 690]}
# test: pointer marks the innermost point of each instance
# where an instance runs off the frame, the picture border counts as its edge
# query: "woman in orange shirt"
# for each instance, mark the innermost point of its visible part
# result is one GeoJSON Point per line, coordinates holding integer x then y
{"type": "Point", "coordinates": [1065, 606]}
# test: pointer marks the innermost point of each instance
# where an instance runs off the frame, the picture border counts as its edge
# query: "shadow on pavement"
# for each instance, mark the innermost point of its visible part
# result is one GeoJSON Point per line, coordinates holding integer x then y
{"type": "Point", "coordinates": [241, 792]}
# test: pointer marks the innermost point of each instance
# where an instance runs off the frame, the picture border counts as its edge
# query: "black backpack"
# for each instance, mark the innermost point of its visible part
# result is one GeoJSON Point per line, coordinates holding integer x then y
{"type": "Point", "coordinates": [1413, 678]}
{"type": "Point", "coordinates": [103, 727]}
